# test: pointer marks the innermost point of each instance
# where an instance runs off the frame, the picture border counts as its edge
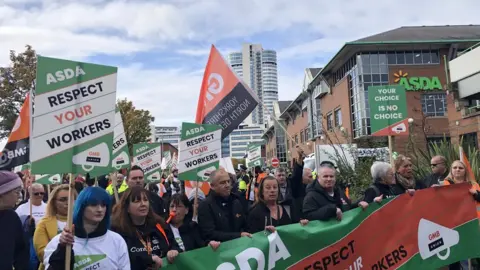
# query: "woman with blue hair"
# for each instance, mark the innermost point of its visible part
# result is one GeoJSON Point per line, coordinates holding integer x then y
{"type": "Point", "coordinates": [94, 246]}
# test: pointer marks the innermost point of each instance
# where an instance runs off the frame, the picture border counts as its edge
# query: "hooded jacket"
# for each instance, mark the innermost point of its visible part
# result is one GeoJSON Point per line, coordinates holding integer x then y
{"type": "Point", "coordinates": [101, 249]}
{"type": "Point", "coordinates": [319, 205]}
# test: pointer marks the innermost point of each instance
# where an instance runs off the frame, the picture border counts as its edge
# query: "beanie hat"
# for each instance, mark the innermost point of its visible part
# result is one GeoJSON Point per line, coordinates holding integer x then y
{"type": "Point", "coordinates": [9, 181]}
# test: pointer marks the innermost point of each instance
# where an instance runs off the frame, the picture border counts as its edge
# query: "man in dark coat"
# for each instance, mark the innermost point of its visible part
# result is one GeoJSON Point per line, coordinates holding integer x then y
{"type": "Point", "coordinates": [324, 200]}
{"type": "Point", "coordinates": [221, 216]}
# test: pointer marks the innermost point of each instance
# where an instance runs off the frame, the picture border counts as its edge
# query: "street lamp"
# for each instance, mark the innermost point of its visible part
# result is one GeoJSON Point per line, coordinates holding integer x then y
{"type": "Point", "coordinates": [410, 120]}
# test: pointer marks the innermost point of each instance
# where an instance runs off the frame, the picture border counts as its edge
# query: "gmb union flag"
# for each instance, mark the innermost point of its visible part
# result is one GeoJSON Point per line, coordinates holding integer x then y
{"type": "Point", "coordinates": [16, 151]}
{"type": "Point", "coordinates": [224, 99]}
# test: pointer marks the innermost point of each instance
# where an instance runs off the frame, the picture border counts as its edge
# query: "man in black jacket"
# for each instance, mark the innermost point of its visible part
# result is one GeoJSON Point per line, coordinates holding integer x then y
{"type": "Point", "coordinates": [439, 171]}
{"type": "Point", "coordinates": [324, 200]}
{"type": "Point", "coordinates": [135, 177]}
{"type": "Point", "coordinates": [221, 216]}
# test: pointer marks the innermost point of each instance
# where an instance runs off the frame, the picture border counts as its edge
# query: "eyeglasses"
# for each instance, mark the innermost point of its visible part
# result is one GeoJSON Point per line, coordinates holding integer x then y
{"type": "Point", "coordinates": [436, 164]}
{"type": "Point", "coordinates": [39, 193]}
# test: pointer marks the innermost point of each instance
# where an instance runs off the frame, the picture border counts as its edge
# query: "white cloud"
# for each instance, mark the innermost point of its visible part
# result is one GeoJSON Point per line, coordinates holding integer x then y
{"type": "Point", "coordinates": [79, 29]}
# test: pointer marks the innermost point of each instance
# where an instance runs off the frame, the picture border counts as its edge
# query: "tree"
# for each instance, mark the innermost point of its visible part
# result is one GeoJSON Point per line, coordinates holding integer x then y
{"type": "Point", "coordinates": [15, 81]}
{"type": "Point", "coordinates": [135, 122]}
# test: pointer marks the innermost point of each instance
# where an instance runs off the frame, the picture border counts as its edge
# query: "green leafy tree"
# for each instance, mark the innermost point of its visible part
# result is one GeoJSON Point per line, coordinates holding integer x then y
{"type": "Point", "coordinates": [16, 81]}
{"type": "Point", "coordinates": [135, 122]}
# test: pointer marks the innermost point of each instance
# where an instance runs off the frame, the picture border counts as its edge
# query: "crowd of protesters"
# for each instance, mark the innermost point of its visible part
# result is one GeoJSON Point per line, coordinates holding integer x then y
{"type": "Point", "coordinates": [152, 221]}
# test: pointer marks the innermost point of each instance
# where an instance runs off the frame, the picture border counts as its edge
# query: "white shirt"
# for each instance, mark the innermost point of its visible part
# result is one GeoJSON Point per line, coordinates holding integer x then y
{"type": "Point", "coordinates": [38, 212]}
{"type": "Point", "coordinates": [178, 237]}
{"type": "Point", "coordinates": [61, 225]}
{"type": "Point", "coordinates": [106, 252]}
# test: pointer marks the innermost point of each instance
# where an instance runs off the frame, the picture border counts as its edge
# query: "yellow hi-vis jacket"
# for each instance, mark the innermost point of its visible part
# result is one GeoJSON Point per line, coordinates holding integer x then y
{"type": "Point", "coordinates": [122, 188]}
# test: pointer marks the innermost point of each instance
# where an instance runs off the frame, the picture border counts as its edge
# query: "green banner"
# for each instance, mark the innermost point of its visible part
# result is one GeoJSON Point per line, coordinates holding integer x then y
{"type": "Point", "coordinates": [121, 157]}
{"type": "Point", "coordinates": [433, 228]}
{"type": "Point", "coordinates": [200, 151]}
{"type": "Point", "coordinates": [148, 157]}
{"type": "Point", "coordinates": [74, 117]}
{"type": "Point", "coordinates": [254, 155]}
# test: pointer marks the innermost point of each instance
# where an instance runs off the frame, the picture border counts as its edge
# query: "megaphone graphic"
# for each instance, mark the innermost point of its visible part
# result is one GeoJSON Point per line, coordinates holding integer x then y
{"type": "Point", "coordinates": [154, 176]}
{"type": "Point", "coordinates": [205, 173]}
{"type": "Point", "coordinates": [56, 178]}
{"type": "Point", "coordinates": [120, 160]}
{"type": "Point", "coordinates": [96, 156]}
{"type": "Point", "coordinates": [434, 238]}
{"type": "Point", "coordinates": [399, 128]}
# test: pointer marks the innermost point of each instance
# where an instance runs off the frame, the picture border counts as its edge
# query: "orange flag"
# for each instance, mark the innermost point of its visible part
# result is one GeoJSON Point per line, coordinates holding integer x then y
{"type": "Point", "coordinates": [16, 151]}
{"type": "Point", "coordinates": [464, 159]}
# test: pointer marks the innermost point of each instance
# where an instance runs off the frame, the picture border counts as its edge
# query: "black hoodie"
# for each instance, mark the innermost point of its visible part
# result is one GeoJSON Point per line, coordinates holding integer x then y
{"type": "Point", "coordinates": [319, 205]}
{"type": "Point", "coordinates": [139, 258]}
{"type": "Point", "coordinates": [14, 250]}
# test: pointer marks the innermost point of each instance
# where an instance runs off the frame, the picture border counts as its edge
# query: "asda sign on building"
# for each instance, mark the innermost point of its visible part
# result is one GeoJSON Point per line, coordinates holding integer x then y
{"type": "Point", "coordinates": [417, 83]}
{"type": "Point", "coordinates": [74, 117]}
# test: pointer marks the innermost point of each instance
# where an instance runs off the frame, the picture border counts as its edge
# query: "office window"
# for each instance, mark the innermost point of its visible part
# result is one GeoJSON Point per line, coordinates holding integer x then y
{"type": "Point", "coordinates": [434, 104]}
{"type": "Point", "coordinates": [329, 121]}
{"type": "Point", "coordinates": [338, 117]}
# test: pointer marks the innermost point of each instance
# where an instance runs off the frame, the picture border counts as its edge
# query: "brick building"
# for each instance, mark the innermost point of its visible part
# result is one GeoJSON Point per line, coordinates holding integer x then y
{"type": "Point", "coordinates": [337, 106]}
{"type": "Point", "coordinates": [464, 97]}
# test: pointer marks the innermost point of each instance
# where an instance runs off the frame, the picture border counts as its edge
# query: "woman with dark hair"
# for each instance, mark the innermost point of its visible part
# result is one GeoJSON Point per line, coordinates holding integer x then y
{"type": "Point", "coordinates": [185, 231]}
{"type": "Point", "coordinates": [266, 213]}
{"type": "Point", "coordinates": [93, 245]}
{"type": "Point", "coordinates": [147, 235]}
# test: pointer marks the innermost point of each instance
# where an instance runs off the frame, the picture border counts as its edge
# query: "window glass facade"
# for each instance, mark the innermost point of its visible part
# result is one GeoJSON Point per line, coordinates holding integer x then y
{"type": "Point", "coordinates": [371, 69]}
{"type": "Point", "coordinates": [226, 147]}
{"type": "Point", "coordinates": [281, 147]}
{"type": "Point", "coordinates": [434, 105]}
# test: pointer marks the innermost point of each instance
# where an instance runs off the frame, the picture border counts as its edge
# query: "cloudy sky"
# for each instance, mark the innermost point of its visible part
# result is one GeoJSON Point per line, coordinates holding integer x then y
{"type": "Point", "coordinates": [161, 46]}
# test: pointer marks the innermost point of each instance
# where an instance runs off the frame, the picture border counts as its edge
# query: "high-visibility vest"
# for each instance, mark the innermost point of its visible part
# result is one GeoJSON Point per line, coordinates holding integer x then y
{"type": "Point", "coordinates": [474, 185]}
{"type": "Point", "coordinates": [122, 188]}
{"type": "Point", "coordinates": [260, 176]}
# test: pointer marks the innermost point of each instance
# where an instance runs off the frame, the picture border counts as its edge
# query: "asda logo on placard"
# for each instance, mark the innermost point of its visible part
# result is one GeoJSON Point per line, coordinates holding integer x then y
{"type": "Point", "coordinates": [88, 262]}
{"type": "Point", "coordinates": [417, 83]}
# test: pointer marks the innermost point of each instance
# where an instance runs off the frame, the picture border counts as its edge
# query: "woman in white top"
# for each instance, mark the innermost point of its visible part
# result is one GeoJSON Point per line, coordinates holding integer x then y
{"type": "Point", "coordinates": [94, 245]}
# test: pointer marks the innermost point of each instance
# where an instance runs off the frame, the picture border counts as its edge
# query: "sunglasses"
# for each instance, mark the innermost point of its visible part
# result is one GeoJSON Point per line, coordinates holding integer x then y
{"type": "Point", "coordinates": [39, 193]}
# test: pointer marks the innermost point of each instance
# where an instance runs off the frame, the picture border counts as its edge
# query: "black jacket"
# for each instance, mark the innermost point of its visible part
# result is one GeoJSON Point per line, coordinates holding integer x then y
{"type": "Point", "coordinates": [15, 249]}
{"type": "Point", "coordinates": [191, 236]}
{"type": "Point", "coordinates": [157, 203]}
{"type": "Point", "coordinates": [378, 189]}
{"type": "Point", "coordinates": [260, 212]}
{"type": "Point", "coordinates": [318, 205]}
{"type": "Point", "coordinates": [139, 258]}
{"type": "Point", "coordinates": [434, 179]}
{"type": "Point", "coordinates": [400, 189]}
{"type": "Point", "coordinates": [296, 193]}
{"type": "Point", "coordinates": [221, 219]}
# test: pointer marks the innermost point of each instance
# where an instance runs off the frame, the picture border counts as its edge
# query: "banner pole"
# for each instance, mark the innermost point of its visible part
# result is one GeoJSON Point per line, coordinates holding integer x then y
{"type": "Point", "coordinates": [390, 149]}
{"type": "Point", "coordinates": [68, 254]}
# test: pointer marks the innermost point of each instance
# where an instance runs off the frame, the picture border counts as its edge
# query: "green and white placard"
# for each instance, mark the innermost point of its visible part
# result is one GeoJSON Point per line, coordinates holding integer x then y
{"type": "Point", "coordinates": [254, 155]}
{"type": "Point", "coordinates": [74, 117]}
{"type": "Point", "coordinates": [48, 179]}
{"type": "Point", "coordinates": [121, 158]}
{"type": "Point", "coordinates": [200, 151]}
{"type": "Point", "coordinates": [148, 156]}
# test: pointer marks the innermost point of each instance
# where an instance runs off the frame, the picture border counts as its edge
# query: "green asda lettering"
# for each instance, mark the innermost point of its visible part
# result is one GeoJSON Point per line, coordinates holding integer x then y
{"type": "Point", "coordinates": [276, 252]}
{"type": "Point", "coordinates": [420, 83]}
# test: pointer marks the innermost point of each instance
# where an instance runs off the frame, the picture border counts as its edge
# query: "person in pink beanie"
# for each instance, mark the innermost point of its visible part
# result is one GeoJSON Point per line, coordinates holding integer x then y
{"type": "Point", "coordinates": [14, 248]}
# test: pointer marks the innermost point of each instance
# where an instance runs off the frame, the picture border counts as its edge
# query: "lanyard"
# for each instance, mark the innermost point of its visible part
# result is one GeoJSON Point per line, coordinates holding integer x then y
{"type": "Point", "coordinates": [147, 245]}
